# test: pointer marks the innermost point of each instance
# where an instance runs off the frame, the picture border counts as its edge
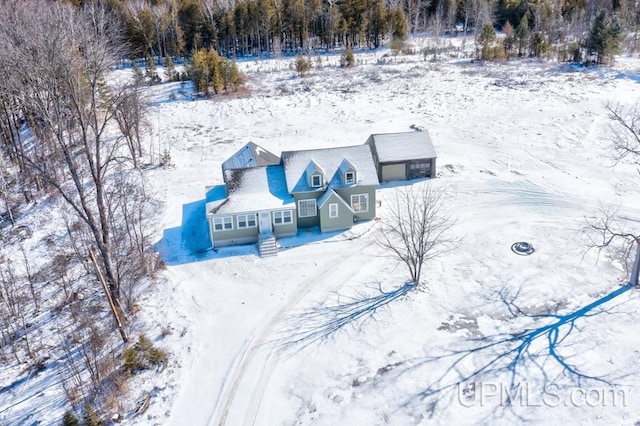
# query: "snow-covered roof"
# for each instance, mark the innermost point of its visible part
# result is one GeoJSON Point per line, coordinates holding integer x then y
{"type": "Point", "coordinates": [252, 190]}
{"type": "Point", "coordinates": [392, 147]}
{"type": "Point", "coordinates": [250, 155]}
{"type": "Point", "coordinates": [330, 161]}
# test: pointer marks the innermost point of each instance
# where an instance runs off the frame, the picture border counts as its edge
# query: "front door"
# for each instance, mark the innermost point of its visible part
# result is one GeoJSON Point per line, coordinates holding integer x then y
{"type": "Point", "coordinates": [265, 222]}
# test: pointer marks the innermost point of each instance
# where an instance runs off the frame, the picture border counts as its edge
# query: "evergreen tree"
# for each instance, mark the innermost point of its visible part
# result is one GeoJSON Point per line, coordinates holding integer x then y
{"type": "Point", "coordinates": [90, 417]}
{"type": "Point", "coordinates": [347, 59]}
{"type": "Point", "coordinates": [398, 23]}
{"type": "Point", "coordinates": [302, 65]}
{"type": "Point", "coordinates": [522, 34]}
{"type": "Point", "coordinates": [509, 37]}
{"type": "Point", "coordinates": [605, 38]}
{"type": "Point", "coordinates": [234, 78]}
{"type": "Point", "coordinates": [138, 77]}
{"type": "Point", "coordinates": [69, 419]}
{"type": "Point", "coordinates": [216, 71]}
{"type": "Point", "coordinates": [170, 69]}
{"type": "Point", "coordinates": [486, 40]}
{"type": "Point", "coordinates": [151, 72]}
{"type": "Point", "coordinates": [538, 44]}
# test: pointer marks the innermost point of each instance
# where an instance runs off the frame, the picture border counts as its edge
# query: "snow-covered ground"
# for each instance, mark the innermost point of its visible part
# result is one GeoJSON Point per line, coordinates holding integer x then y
{"type": "Point", "coordinates": [523, 154]}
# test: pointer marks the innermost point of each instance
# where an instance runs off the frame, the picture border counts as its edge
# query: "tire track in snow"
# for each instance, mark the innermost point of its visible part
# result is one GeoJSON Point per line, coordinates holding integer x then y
{"type": "Point", "coordinates": [226, 399]}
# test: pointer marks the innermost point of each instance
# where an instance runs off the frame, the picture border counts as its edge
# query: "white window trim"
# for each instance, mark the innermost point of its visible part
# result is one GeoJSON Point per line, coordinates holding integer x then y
{"type": "Point", "coordinates": [282, 213]}
{"type": "Point", "coordinates": [246, 220]}
{"type": "Point", "coordinates": [360, 195]}
{"type": "Point", "coordinates": [315, 175]}
{"type": "Point", "coordinates": [315, 208]}
{"type": "Point", "coordinates": [223, 221]}
{"type": "Point", "coordinates": [353, 179]}
{"type": "Point", "coordinates": [333, 210]}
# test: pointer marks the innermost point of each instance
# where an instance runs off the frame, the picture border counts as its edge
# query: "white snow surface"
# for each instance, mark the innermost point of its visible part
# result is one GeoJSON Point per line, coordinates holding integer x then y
{"type": "Point", "coordinates": [523, 154]}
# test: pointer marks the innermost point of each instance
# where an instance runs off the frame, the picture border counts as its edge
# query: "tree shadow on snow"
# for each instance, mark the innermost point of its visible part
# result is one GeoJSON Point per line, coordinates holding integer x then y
{"type": "Point", "coordinates": [323, 321]}
{"type": "Point", "coordinates": [509, 360]}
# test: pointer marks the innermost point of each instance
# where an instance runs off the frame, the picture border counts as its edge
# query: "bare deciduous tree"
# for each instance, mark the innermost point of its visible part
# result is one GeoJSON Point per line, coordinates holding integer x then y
{"type": "Point", "coordinates": [611, 228]}
{"type": "Point", "coordinates": [86, 128]}
{"type": "Point", "coordinates": [416, 227]}
{"type": "Point", "coordinates": [626, 131]}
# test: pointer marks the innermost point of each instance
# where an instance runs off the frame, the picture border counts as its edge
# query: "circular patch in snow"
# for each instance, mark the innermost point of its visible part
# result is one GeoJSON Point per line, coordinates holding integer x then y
{"type": "Point", "coordinates": [522, 248]}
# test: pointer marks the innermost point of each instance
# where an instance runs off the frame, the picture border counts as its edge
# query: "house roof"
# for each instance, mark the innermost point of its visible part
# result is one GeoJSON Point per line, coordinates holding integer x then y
{"type": "Point", "coordinates": [330, 161]}
{"type": "Point", "coordinates": [392, 147]}
{"type": "Point", "coordinates": [250, 155]}
{"type": "Point", "coordinates": [250, 190]}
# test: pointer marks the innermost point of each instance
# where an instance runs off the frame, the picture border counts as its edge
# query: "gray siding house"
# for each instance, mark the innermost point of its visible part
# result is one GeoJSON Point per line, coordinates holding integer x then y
{"type": "Point", "coordinates": [402, 156]}
{"type": "Point", "coordinates": [333, 187]}
{"type": "Point", "coordinates": [267, 197]}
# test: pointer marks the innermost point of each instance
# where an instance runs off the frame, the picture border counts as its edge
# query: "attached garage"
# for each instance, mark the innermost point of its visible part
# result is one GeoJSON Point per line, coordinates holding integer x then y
{"type": "Point", "coordinates": [402, 156]}
{"type": "Point", "coordinates": [393, 172]}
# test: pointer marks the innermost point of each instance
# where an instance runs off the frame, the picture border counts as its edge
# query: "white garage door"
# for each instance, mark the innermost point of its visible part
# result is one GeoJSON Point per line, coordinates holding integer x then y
{"type": "Point", "coordinates": [394, 172]}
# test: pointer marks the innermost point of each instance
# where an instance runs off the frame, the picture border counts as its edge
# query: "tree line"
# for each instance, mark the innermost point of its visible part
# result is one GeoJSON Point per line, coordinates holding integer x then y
{"type": "Point", "coordinates": [175, 28]}
{"type": "Point", "coordinates": [71, 142]}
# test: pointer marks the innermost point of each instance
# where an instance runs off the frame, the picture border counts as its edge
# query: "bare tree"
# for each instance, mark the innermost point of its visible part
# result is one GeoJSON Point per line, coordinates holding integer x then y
{"type": "Point", "coordinates": [611, 227]}
{"type": "Point", "coordinates": [416, 228]}
{"type": "Point", "coordinates": [626, 131]}
{"type": "Point", "coordinates": [71, 108]}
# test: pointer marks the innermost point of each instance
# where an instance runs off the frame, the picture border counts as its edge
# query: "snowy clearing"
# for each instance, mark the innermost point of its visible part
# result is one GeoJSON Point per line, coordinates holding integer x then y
{"type": "Point", "coordinates": [523, 154]}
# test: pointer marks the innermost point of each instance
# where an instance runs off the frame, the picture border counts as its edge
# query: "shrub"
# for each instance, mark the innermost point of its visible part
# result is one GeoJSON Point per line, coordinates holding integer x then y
{"type": "Point", "coordinates": [69, 419]}
{"type": "Point", "coordinates": [302, 65]}
{"type": "Point", "coordinates": [347, 59]}
{"type": "Point", "coordinates": [90, 417]}
{"type": "Point", "coordinates": [142, 355]}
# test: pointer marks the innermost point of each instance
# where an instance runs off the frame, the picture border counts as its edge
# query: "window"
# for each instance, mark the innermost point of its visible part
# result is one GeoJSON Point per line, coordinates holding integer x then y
{"type": "Point", "coordinates": [333, 210]}
{"type": "Point", "coordinates": [307, 208]}
{"type": "Point", "coordinates": [223, 223]}
{"type": "Point", "coordinates": [360, 203]}
{"type": "Point", "coordinates": [419, 170]}
{"type": "Point", "coordinates": [316, 181]}
{"type": "Point", "coordinates": [349, 177]}
{"type": "Point", "coordinates": [246, 221]}
{"type": "Point", "coordinates": [282, 218]}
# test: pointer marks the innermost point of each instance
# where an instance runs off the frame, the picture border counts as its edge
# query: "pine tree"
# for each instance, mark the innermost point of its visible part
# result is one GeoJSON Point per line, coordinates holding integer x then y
{"type": "Point", "coordinates": [69, 419]}
{"type": "Point", "coordinates": [90, 417]}
{"type": "Point", "coordinates": [522, 34]}
{"type": "Point", "coordinates": [538, 44]}
{"type": "Point", "coordinates": [398, 23]}
{"type": "Point", "coordinates": [170, 69]}
{"type": "Point", "coordinates": [347, 59]}
{"type": "Point", "coordinates": [486, 39]}
{"type": "Point", "coordinates": [216, 71]}
{"type": "Point", "coordinates": [138, 78]}
{"type": "Point", "coordinates": [302, 65]}
{"type": "Point", "coordinates": [151, 73]}
{"type": "Point", "coordinates": [605, 38]}
{"type": "Point", "coordinates": [235, 76]}
{"type": "Point", "coordinates": [509, 37]}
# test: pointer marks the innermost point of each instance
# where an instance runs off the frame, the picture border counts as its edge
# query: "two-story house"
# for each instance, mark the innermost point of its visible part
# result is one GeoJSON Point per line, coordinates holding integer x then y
{"type": "Point", "coordinates": [266, 197]}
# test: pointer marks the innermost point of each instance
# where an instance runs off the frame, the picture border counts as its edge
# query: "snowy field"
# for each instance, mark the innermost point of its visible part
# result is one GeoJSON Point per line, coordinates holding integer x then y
{"type": "Point", "coordinates": [523, 154]}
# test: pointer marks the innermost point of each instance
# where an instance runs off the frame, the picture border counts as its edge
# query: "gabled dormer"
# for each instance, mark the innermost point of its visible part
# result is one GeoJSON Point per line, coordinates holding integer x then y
{"type": "Point", "coordinates": [348, 172]}
{"type": "Point", "coordinates": [315, 175]}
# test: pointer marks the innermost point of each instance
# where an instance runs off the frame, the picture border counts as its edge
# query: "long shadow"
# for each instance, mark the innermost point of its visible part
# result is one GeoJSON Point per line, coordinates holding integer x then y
{"type": "Point", "coordinates": [516, 353]}
{"type": "Point", "coordinates": [322, 322]}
